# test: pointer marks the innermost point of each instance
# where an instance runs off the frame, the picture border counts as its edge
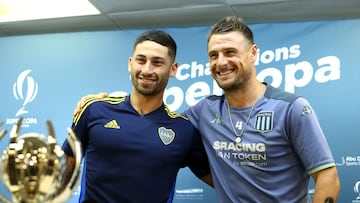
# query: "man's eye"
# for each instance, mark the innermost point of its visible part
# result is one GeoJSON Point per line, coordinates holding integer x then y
{"type": "Point", "coordinates": [140, 60]}
{"type": "Point", "coordinates": [213, 56]}
{"type": "Point", "coordinates": [158, 62]}
{"type": "Point", "coordinates": [230, 52]}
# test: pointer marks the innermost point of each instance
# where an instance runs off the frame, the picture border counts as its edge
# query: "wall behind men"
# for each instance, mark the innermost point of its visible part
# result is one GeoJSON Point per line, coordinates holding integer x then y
{"type": "Point", "coordinates": [43, 76]}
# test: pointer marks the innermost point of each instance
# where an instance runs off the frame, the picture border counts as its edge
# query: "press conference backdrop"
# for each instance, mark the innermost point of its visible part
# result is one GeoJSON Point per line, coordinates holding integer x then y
{"type": "Point", "coordinates": [43, 76]}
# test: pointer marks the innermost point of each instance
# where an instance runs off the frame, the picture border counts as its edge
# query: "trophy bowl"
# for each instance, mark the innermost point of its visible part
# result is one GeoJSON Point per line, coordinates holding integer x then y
{"type": "Point", "coordinates": [34, 167]}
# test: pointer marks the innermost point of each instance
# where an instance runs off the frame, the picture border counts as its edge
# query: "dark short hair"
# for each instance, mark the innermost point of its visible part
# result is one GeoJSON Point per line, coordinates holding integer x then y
{"type": "Point", "coordinates": [229, 24]}
{"type": "Point", "coordinates": [159, 37]}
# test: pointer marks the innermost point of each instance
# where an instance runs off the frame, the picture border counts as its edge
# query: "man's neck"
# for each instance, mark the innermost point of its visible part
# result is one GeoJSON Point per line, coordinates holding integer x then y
{"type": "Point", "coordinates": [144, 104]}
{"type": "Point", "coordinates": [245, 97]}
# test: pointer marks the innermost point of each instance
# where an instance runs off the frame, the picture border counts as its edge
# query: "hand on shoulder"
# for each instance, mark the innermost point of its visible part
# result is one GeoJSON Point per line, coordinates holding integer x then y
{"type": "Point", "coordinates": [86, 99]}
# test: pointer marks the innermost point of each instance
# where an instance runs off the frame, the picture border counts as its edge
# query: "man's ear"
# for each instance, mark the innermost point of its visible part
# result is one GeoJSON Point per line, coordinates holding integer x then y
{"type": "Point", "coordinates": [129, 64]}
{"type": "Point", "coordinates": [173, 69]}
{"type": "Point", "coordinates": [253, 52]}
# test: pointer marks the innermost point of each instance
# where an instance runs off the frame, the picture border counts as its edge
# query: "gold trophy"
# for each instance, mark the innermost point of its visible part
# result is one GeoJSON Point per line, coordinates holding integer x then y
{"type": "Point", "coordinates": [34, 167]}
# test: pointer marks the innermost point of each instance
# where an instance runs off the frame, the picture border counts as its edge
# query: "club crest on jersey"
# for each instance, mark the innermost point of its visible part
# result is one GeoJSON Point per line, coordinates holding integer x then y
{"type": "Point", "coordinates": [166, 135]}
{"type": "Point", "coordinates": [264, 121]}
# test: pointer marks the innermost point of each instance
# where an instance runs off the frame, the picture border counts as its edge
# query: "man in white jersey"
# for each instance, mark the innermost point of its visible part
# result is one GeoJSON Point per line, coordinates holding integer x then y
{"type": "Point", "coordinates": [263, 143]}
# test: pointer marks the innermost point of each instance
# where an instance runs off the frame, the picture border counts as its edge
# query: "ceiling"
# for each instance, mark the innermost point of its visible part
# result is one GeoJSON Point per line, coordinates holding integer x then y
{"type": "Point", "coordinates": [133, 14]}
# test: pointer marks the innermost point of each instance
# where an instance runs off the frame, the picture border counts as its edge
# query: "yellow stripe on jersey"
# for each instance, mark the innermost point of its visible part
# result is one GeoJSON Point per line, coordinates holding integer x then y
{"type": "Point", "coordinates": [110, 100]}
{"type": "Point", "coordinates": [173, 114]}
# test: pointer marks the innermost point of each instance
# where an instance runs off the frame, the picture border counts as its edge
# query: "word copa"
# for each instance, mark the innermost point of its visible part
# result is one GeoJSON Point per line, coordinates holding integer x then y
{"type": "Point", "coordinates": [293, 75]}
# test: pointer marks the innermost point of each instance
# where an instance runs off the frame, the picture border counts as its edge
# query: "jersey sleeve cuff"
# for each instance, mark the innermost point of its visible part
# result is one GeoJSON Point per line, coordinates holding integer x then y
{"type": "Point", "coordinates": [319, 168]}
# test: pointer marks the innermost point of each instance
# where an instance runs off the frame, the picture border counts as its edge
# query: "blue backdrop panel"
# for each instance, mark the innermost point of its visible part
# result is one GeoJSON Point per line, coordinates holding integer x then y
{"type": "Point", "coordinates": [43, 76]}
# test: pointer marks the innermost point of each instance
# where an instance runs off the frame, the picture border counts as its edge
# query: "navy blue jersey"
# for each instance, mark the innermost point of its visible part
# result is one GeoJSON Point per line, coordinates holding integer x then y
{"type": "Point", "coordinates": [131, 157]}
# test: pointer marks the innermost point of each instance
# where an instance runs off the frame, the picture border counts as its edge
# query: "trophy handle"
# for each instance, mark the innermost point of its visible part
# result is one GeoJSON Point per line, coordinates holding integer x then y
{"type": "Point", "coordinates": [77, 151]}
{"type": "Point", "coordinates": [2, 198]}
{"type": "Point", "coordinates": [13, 136]}
{"type": "Point", "coordinates": [75, 178]}
{"type": "Point", "coordinates": [3, 132]}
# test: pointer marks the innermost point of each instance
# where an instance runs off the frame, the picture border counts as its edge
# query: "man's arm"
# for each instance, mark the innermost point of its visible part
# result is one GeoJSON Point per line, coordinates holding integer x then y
{"type": "Point", "coordinates": [208, 180]}
{"type": "Point", "coordinates": [70, 165]}
{"type": "Point", "coordinates": [327, 185]}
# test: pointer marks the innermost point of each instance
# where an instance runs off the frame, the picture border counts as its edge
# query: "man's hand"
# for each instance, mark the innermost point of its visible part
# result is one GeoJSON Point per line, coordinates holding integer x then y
{"type": "Point", "coordinates": [86, 98]}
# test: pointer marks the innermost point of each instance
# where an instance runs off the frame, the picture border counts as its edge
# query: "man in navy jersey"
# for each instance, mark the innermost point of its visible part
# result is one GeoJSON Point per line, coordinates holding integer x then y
{"type": "Point", "coordinates": [263, 143]}
{"type": "Point", "coordinates": [133, 145]}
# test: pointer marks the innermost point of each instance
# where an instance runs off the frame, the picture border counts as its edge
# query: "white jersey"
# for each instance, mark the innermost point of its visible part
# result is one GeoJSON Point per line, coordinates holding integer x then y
{"type": "Point", "coordinates": [281, 144]}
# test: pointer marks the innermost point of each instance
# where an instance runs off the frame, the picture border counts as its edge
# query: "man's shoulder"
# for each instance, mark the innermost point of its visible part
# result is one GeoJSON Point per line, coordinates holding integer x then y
{"type": "Point", "coordinates": [97, 104]}
{"type": "Point", "coordinates": [279, 94]}
{"type": "Point", "coordinates": [212, 100]}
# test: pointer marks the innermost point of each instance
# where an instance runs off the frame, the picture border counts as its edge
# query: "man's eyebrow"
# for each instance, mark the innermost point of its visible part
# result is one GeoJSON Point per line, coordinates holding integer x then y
{"type": "Point", "coordinates": [140, 55]}
{"type": "Point", "coordinates": [158, 57]}
{"type": "Point", "coordinates": [153, 57]}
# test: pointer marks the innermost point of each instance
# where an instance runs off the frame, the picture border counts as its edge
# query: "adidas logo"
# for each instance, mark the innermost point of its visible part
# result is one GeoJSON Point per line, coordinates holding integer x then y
{"type": "Point", "coordinates": [112, 124]}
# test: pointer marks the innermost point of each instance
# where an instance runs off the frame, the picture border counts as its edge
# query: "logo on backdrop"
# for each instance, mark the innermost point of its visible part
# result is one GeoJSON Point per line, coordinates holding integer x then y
{"type": "Point", "coordinates": [25, 90]}
{"type": "Point", "coordinates": [349, 161]}
{"type": "Point", "coordinates": [311, 194]}
{"type": "Point", "coordinates": [357, 191]}
{"type": "Point", "coordinates": [190, 194]}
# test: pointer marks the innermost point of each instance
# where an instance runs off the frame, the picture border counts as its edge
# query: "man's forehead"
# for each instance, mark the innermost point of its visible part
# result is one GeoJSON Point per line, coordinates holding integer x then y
{"type": "Point", "coordinates": [227, 41]}
{"type": "Point", "coordinates": [227, 37]}
{"type": "Point", "coordinates": [147, 48]}
{"type": "Point", "coordinates": [149, 44]}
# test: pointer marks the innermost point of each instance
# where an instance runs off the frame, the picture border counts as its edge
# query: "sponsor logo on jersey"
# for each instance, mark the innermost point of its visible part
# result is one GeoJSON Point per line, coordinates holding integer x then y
{"type": "Point", "coordinates": [112, 124]}
{"type": "Point", "coordinates": [306, 110]}
{"type": "Point", "coordinates": [217, 119]}
{"type": "Point", "coordinates": [166, 135]}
